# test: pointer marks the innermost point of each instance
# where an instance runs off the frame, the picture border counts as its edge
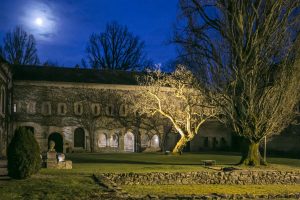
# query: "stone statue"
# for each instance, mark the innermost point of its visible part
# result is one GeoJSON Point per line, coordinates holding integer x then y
{"type": "Point", "coordinates": [51, 145]}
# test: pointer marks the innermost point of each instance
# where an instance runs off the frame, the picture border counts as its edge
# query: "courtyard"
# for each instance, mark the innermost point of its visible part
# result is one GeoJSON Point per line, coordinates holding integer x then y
{"type": "Point", "coordinates": [80, 182]}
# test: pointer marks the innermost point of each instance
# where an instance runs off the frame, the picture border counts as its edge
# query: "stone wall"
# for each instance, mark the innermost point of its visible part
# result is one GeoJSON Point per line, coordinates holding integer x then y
{"type": "Point", "coordinates": [287, 142]}
{"type": "Point", "coordinates": [242, 177]}
{"type": "Point", "coordinates": [38, 105]}
{"type": "Point", "coordinates": [5, 105]}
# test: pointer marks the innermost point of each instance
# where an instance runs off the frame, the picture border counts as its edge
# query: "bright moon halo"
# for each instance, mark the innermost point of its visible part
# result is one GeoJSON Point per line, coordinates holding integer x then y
{"type": "Point", "coordinates": [39, 21]}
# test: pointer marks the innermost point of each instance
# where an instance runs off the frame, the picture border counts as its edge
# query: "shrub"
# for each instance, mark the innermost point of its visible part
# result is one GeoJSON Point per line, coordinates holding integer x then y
{"type": "Point", "coordinates": [23, 154]}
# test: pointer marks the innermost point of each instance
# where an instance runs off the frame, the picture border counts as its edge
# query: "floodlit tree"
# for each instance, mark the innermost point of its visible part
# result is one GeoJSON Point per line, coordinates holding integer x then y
{"type": "Point", "coordinates": [19, 48]}
{"type": "Point", "coordinates": [250, 52]}
{"type": "Point", "coordinates": [115, 48]}
{"type": "Point", "coordinates": [176, 97]}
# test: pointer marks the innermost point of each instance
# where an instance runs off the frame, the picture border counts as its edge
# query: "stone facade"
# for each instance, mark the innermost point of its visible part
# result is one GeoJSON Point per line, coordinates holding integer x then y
{"type": "Point", "coordinates": [74, 110]}
{"type": "Point", "coordinates": [5, 105]}
{"type": "Point", "coordinates": [66, 108]}
{"type": "Point", "coordinates": [85, 110]}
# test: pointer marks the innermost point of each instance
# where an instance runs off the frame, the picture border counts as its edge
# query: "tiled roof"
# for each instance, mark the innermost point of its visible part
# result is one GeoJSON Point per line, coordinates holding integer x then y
{"type": "Point", "coordinates": [64, 74]}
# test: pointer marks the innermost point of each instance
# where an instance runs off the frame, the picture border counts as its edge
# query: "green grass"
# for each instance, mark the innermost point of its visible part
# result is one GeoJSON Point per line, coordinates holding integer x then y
{"type": "Point", "coordinates": [78, 183]}
{"type": "Point", "coordinates": [209, 189]}
{"type": "Point", "coordinates": [50, 187]}
{"type": "Point", "coordinates": [157, 162]}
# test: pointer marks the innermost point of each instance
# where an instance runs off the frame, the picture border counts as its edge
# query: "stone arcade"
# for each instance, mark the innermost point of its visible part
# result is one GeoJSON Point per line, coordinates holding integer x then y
{"type": "Point", "coordinates": [79, 107]}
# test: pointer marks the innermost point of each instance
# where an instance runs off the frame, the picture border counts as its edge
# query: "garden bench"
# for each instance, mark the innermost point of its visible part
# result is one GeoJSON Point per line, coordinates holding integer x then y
{"type": "Point", "coordinates": [208, 162]}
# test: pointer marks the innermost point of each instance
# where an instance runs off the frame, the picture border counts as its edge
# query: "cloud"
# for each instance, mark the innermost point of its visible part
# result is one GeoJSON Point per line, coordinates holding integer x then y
{"type": "Point", "coordinates": [47, 35]}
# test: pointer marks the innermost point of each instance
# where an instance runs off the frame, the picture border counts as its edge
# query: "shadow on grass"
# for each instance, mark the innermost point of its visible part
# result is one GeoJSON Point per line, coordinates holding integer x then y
{"type": "Point", "coordinates": [99, 161]}
{"type": "Point", "coordinates": [119, 160]}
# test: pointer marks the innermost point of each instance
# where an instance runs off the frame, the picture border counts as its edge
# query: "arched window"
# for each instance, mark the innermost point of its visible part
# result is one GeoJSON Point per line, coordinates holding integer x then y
{"type": "Point", "coordinates": [96, 109]}
{"type": "Point", "coordinates": [31, 107]}
{"type": "Point", "coordinates": [46, 108]}
{"type": "Point", "coordinates": [61, 108]}
{"type": "Point", "coordinates": [110, 110]}
{"type": "Point", "coordinates": [114, 140]}
{"type": "Point", "coordinates": [102, 140]}
{"type": "Point", "coordinates": [78, 108]}
{"type": "Point", "coordinates": [129, 142]}
{"type": "Point", "coordinates": [155, 141]}
{"type": "Point", "coordinates": [145, 140]}
{"type": "Point", "coordinates": [123, 110]}
{"type": "Point", "coordinates": [79, 137]}
{"type": "Point", "coordinates": [15, 108]}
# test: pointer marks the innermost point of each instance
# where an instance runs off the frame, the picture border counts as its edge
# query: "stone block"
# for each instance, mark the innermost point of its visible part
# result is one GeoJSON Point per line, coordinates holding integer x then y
{"type": "Point", "coordinates": [68, 164]}
{"type": "Point", "coordinates": [51, 155]}
{"type": "Point", "coordinates": [64, 165]}
{"type": "Point", "coordinates": [51, 164]}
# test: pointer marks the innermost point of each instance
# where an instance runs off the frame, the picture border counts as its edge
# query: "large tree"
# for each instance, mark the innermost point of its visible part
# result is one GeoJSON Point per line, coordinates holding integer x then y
{"type": "Point", "coordinates": [176, 97]}
{"type": "Point", "coordinates": [19, 47]}
{"type": "Point", "coordinates": [250, 53]}
{"type": "Point", "coordinates": [116, 48]}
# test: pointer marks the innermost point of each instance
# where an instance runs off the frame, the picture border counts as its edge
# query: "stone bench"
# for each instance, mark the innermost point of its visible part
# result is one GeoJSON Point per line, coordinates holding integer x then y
{"type": "Point", "coordinates": [208, 162]}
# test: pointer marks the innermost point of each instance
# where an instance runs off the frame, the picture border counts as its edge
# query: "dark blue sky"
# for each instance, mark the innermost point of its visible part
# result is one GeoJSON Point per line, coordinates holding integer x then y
{"type": "Point", "coordinates": [67, 24]}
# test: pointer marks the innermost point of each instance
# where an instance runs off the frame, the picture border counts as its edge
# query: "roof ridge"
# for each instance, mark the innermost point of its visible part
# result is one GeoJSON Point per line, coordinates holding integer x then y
{"type": "Point", "coordinates": [64, 74]}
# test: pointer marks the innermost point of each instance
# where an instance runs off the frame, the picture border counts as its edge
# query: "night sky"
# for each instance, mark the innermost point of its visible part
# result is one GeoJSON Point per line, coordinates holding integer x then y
{"type": "Point", "coordinates": [62, 27]}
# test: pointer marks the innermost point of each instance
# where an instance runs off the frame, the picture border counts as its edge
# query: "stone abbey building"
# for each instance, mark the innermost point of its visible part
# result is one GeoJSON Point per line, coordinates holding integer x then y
{"type": "Point", "coordinates": [90, 110]}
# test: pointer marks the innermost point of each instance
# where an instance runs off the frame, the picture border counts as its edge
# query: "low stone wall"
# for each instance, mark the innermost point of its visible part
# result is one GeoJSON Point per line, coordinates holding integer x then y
{"type": "Point", "coordinates": [242, 177]}
{"type": "Point", "coordinates": [117, 193]}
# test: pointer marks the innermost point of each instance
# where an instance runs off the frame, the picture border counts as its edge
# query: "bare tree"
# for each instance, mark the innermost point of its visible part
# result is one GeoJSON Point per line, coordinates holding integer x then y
{"type": "Point", "coordinates": [250, 52]}
{"type": "Point", "coordinates": [93, 118]}
{"type": "Point", "coordinates": [51, 63]}
{"type": "Point", "coordinates": [19, 48]}
{"type": "Point", "coordinates": [115, 48]}
{"type": "Point", "coordinates": [90, 122]}
{"type": "Point", "coordinates": [119, 115]}
{"type": "Point", "coordinates": [178, 98]}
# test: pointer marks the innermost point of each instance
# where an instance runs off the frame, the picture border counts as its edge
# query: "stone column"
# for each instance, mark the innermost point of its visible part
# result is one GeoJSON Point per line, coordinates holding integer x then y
{"type": "Point", "coordinates": [121, 141]}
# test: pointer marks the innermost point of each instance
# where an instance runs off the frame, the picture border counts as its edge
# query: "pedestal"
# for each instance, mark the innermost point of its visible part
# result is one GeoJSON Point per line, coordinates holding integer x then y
{"type": "Point", "coordinates": [51, 161]}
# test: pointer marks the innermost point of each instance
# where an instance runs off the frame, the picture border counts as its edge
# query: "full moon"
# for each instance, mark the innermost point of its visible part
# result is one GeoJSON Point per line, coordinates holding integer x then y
{"type": "Point", "coordinates": [39, 21]}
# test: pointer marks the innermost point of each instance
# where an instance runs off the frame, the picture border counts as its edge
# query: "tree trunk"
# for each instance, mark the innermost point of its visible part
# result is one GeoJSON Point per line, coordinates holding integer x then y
{"type": "Point", "coordinates": [92, 143]}
{"type": "Point", "coordinates": [180, 145]}
{"type": "Point", "coordinates": [252, 156]}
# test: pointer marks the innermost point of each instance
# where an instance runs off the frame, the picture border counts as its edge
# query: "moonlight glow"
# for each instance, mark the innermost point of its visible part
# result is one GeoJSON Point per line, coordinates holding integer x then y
{"type": "Point", "coordinates": [39, 21]}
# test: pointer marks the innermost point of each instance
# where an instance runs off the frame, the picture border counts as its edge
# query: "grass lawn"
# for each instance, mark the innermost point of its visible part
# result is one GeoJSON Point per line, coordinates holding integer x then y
{"type": "Point", "coordinates": [78, 183]}
{"type": "Point", "coordinates": [59, 186]}
{"type": "Point", "coordinates": [157, 162]}
{"type": "Point", "coordinates": [209, 189]}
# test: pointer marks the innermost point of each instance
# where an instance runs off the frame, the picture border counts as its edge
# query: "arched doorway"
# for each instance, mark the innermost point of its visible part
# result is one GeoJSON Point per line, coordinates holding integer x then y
{"type": "Point", "coordinates": [79, 138]}
{"type": "Point", "coordinates": [129, 142]}
{"type": "Point", "coordinates": [145, 141]}
{"type": "Point", "coordinates": [155, 141]}
{"type": "Point", "coordinates": [29, 128]}
{"type": "Point", "coordinates": [114, 140]}
{"type": "Point", "coordinates": [102, 140]}
{"type": "Point", "coordinates": [57, 138]}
